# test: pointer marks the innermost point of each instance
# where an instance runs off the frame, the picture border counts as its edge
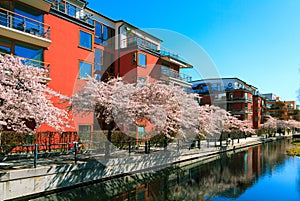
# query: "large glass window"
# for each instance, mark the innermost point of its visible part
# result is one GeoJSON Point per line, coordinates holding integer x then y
{"type": "Point", "coordinates": [98, 64]}
{"type": "Point", "coordinates": [141, 59]}
{"type": "Point", "coordinates": [103, 33]}
{"type": "Point", "coordinates": [98, 59]}
{"type": "Point", "coordinates": [98, 33]}
{"type": "Point", "coordinates": [5, 46]}
{"type": "Point", "coordinates": [141, 131]}
{"type": "Point", "coordinates": [85, 69]}
{"type": "Point", "coordinates": [28, 51]}
{"type": "Point", "coordinates": [71, 10]}
{"type": "Point", "coordinates": [34, 55]}
{"type": "Point", "coordinates": [31, 20]}
{"type": "Point", "coordinates": [85, 40]}
{"type": "Point", "coordinates": [84, 128]}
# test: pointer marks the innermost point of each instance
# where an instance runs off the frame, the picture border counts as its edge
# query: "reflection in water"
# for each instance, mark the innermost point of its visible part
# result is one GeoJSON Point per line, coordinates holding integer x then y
{"type": "Point", "coordinates": [230, 177]}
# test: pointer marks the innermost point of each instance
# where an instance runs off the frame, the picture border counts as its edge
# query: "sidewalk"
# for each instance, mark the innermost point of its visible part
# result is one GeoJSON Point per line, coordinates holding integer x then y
{"type": "Point", "coordinates": [19, 178]}
{"type": "Point", "coordinates": [185, 153]}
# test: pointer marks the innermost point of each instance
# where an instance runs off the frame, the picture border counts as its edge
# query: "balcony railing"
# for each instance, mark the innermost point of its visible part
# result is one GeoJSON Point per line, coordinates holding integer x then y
{"type": "Point", "coordinates": [72, 10]}
{"type": "Point", "coordinates": [136, 41]}
{"type": "Point", "coordinates": [239, 99]}
{"type": "Point", "coordinates": [175, 74]}
{"type": "Point", "coordinates": [25, 24]}
{"type": "Point", "coordinates": [33, 63]}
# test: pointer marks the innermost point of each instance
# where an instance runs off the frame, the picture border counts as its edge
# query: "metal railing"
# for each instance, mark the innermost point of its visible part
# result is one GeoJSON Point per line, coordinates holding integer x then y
{"type": "Point", "coordinates": [175, 74]}
{"type": "Point", "coordinates": [33, 63]}
{"type": "Point", "coordinates": [137, 41]}
{"type": "Point", "coordinates": [24, 24]}
{"type": "Point", "coordinates": [34, 154]}
{"type": "Point", "coordinates": [72, 10]}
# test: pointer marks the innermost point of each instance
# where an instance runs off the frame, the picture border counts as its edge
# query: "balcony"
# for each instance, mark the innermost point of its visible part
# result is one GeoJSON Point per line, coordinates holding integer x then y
{"type": "Point", "coordinates": [25, 29]}
{"type": "Point", "coordinates": [168, 72]}
{"type": "Point", "coordinates": [240, 111]}
{"type": "Point", "coordinates": [239, 100]}
{"type": "Point", "coordinates": [72, 10]}
{"type": "Point", "coordinates": [165, 54]}
{"type": "Point", "coordinates": [34, 63]}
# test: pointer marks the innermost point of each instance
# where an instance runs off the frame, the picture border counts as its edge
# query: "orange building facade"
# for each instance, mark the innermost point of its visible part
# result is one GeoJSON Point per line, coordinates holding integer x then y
{"type": "Point", "coordinates": [73, 42]}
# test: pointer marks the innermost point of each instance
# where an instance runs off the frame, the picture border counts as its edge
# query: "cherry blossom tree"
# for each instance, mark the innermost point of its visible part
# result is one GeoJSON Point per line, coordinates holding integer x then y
{"type": "Point", "coordinates": [168, 108]}
{"type": "Point", "coordinates": [293, 125]}
{"type": "Point", "coordinates": [270, 125]}
{"type": "Point", "coordinates": [25, 100]}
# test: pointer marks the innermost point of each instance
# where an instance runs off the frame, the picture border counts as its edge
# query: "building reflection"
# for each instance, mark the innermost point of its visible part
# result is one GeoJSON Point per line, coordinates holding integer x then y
{"type": "Point", "coordinates": [230, 175]}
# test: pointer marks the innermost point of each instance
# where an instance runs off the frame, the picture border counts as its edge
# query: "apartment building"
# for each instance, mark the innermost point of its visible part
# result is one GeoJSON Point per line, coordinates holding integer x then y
{"type": "Point", "coordinates": [141, 55]}
{"type": "Point", "coordinates": [73, 42]}
{"type": "Point", "coordinates": [280, 109]}
{"type": "Point", "coordinates": [236, 96]}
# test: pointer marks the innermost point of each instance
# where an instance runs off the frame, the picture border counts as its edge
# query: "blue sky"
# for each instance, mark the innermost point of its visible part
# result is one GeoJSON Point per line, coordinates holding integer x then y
{"type": "Point", "coordinates": [257, 41]}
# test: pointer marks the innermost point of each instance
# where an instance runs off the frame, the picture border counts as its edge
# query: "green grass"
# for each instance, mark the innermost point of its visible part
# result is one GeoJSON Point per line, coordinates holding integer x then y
{"type": "Point", "coordinates": [297, 143]}
{"type": "Point", "coordinates": [294, 151]}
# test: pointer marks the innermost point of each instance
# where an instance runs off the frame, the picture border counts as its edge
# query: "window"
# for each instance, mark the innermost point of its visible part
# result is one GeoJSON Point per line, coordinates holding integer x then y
{"type": "Point", "coordinates": [5, 46]}
{"type": "Point", "coordinates": [28, 51]}
{"type": "Point", "coordinates": [31, 22]}
{"type": "Point", "coordinates": [141, 131]}
{"type": "Point", "coordinates": [85, 69]}
{"type": "Point", "coordinates": [84, 128]}
{"type": "Point", "coordinates": [142, 79]}
{"type": "Point", "coordinates": [85, 40]}
{"type": "Point", "coordinates": [141, 59]}
{"type": "Point", "coordinates": [98, 61]}
{"type": "Point", "coordinates": [103, 33]}
{"type": "Point", "coordinates": [165, 69]}
{"type": "Point", "coordinates": [133, 58]}
{"type": "Point", "coordinates": [71, 10]}
{"type": "Point", "coordinates": [98, 33]}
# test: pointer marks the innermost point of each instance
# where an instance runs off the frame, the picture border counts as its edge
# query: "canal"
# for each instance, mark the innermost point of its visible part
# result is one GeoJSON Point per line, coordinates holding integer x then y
{"type": "Point", "coordinates": [261, 173]}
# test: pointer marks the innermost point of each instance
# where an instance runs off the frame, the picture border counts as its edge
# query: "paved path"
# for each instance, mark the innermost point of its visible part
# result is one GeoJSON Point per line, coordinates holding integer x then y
{"type": "Point", "coordinates": [206, 149]}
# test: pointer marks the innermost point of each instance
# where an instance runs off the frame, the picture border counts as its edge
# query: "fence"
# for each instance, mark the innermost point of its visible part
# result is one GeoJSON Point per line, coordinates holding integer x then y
{"type": "Point", "coordinates": [70, 147]}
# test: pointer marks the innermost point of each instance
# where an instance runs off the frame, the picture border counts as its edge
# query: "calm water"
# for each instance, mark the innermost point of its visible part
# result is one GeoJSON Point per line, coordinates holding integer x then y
{"type": "Point", "coordinates": [262, 173]}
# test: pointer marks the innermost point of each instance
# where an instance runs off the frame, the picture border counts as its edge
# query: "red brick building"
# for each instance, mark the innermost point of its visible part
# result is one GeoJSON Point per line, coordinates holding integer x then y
{"type": "Point", "coordinates": [234, 95]}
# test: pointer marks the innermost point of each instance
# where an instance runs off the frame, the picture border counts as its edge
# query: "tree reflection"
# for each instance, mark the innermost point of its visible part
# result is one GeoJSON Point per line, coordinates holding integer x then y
{"type": "Point", "coordinates": [228, 176]}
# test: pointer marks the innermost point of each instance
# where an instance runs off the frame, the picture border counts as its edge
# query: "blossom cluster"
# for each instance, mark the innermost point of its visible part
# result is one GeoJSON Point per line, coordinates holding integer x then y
{"type": "Point", "coordinates": [25, 100]}
{"type": "Point", "coordinates": [166, 108]}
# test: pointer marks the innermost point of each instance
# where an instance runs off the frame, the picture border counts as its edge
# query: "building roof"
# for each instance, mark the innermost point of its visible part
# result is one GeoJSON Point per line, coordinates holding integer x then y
{"type": "Point", "coordinates": [212, 79]}
{"type": "Point", "coordinates": [134, 27]}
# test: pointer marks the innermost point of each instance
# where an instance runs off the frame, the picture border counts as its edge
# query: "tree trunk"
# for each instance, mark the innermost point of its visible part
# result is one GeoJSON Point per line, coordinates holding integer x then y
{"type": "Point", "coordinates": [108, 141]}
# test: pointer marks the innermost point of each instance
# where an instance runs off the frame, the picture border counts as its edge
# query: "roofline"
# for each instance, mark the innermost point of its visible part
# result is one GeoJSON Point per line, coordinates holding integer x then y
{"type": "Point", "coordinates": [226, 79]}
{"type": "Point", "coordinates": [124, 22]}
{"type": "Point", "coordinates": [120, 21]}
{"type": "Point", "coordinates": [94, 11]}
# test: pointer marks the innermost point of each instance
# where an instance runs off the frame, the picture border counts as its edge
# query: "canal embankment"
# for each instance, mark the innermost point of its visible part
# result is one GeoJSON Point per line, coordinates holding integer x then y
{"type": "Point", "coordinates": [22, 182]}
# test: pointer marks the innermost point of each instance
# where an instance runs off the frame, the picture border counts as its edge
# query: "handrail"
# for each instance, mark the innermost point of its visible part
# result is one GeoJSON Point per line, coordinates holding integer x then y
{"type": "Point", "coordinates": [175, 74]}
{"type": "Point", "coordinates": [56, 5]}
{"type": "Point", "coordinates": [148, 45]}
{"type": "Point", "coordinates": [24, 16]}
{"type": "Point", "coordinates": [17, 21]}
{"type": "Point", "coordinates": [40, 64]}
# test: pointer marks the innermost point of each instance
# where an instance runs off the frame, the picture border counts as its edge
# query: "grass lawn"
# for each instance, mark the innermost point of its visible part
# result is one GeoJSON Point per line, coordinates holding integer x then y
{"type": "Point", "coordinates": [294, 151]}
